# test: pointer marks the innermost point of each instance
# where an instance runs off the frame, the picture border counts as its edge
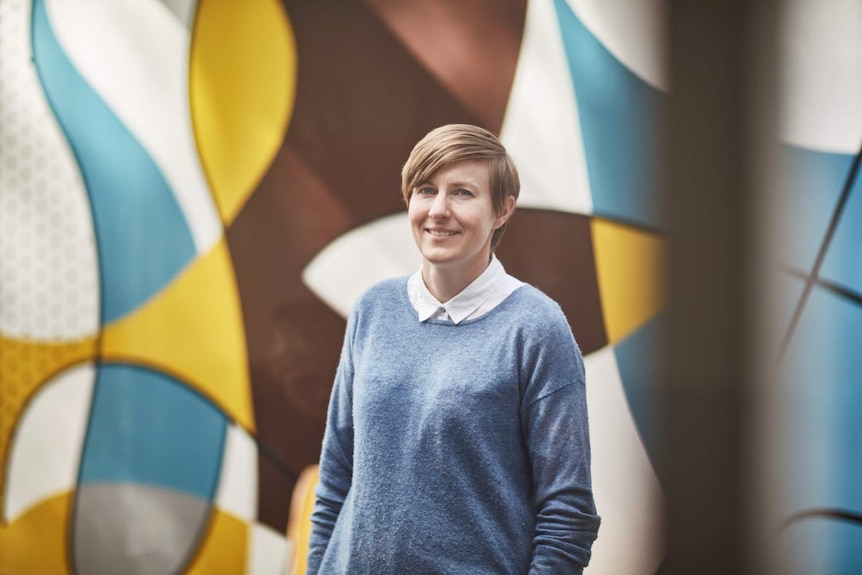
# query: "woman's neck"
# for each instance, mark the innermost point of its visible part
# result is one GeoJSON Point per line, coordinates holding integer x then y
{"type": "Point", "coordinates": [445, 282]}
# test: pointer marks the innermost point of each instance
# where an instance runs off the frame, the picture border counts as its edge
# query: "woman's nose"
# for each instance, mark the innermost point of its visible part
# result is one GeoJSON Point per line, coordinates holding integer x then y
{"type": "Point", "coordinates": [440, 206]}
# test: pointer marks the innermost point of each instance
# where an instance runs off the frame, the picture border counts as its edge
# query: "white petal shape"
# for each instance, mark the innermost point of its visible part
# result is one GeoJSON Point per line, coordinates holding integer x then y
{"type": "Point", "coordinates": [628, 496]}
{"type": "Point", "coordinates": [821, 75]}
{"type": "Point", "coordinates": [270, 551]}
{"type": "Point", "coordinates": [237, 487]}
{"type": "Point", "coordinates": [49, 286]}
{"type": "Point", "coordinates": [541, 129]}
{"type": "Point", "coordinates": [46, 450]}
{"type": "Point", "coordinates": [352, 263]}
{"type": "Point", "coordinates": [135, 56]}
{"type": "Point", "coordinates": [633, 31]}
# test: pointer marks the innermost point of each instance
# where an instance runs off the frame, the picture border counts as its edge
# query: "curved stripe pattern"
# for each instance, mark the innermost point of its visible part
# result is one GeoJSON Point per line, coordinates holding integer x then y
{"type": "Point", "coordinates": [135, 55]}
{"type": "Point", "coordinates": [634, 32]}
{"type": "Point", "coordinates": [201, 337]}
{"type": "Point", "coordinates": [25, 366]}
{"type": "Point", "coordinates": [142, 237]}
{"type": "Point", "coordinates": [541, 129]}
{"type": "Point", "coordinates": [242, 85]}
{"type": "Point", "coordinates": [147, 428]}
{"type": "Point", "coordinates": [637, 359]}
{"type": "Point", "coordinates": [45, 457]}
{"type": "Point", "coordinates": [626, 489]}
{"type": "Point", "coordinates": [619, 116]}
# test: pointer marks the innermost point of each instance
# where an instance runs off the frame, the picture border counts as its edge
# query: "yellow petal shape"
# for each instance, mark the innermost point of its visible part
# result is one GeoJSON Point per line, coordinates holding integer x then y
{"type": "Point", "coordinates": [193, 330]}
{"type": "Point", "coordinates": [24, 367]}
{"type": "Point", "coordinates": [242, 85]}
{"type": "Point", "coordinates": [299, 524]}
{"type": "Point", "coordinates": [36, 542]}
{"type": "Point", "coordinates": [225, 547]}
{"type": "Point", "coordinates": [631, 266]}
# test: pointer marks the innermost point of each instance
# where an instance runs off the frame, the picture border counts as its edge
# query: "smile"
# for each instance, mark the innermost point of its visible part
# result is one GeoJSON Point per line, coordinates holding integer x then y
{"type": "Point", "coordinates": [441, 233]}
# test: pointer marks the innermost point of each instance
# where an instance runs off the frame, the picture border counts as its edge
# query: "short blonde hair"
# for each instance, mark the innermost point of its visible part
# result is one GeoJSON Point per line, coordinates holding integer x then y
{"type": "Point", "coordinates": [456, 143]}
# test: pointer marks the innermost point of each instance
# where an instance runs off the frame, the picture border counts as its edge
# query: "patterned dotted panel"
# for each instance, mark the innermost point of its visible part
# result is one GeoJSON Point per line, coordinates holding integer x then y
{"type": "Point", "coordinates": [48, 266]}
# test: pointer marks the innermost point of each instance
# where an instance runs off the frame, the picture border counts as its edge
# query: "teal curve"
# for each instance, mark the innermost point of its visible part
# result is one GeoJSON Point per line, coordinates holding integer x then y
{"type": "Point", "coordinates": [620, 117]}
{"type": "Point", "coordinates": [147, 428]}
{"type": "Point", "coordinates": [142, 237]}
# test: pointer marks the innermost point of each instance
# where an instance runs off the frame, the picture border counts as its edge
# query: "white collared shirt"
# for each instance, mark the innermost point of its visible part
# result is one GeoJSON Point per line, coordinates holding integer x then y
{"type": "Point", "coordinates": [485, 293]}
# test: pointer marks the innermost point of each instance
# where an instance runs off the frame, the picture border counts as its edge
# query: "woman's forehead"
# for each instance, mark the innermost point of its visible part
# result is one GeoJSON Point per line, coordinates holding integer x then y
{"type": "Point", "coordinates": [476, 172]}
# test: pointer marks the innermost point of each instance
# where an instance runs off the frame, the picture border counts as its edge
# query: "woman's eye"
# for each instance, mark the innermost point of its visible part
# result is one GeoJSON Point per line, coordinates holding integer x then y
{"type": "Point", "coordinates": [463, 192]}
{"type": "Point", "coordinates": [425, 191]}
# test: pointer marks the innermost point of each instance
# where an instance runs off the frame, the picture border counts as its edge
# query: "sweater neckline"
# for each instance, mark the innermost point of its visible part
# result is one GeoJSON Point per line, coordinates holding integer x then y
{"type": "Point", "coordinates": [408, 307]}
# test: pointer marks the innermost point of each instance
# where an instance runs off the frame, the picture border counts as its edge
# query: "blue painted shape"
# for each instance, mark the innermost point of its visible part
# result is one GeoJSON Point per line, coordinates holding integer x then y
{"type": "Point", "coordinates": [822, 430]}
{"type": "Point", "coordinates": [843, 261]}
{"type": "Point", "coordinates": [143, 238]}
{"type": "Point", "coordinates": [812, 186]}
{"type": "Point", "coordinates": [638, 363]}
{"type": "Point", "coordinates": [147, 428]}
{"type": "Point", "coordinates": [620, 118]}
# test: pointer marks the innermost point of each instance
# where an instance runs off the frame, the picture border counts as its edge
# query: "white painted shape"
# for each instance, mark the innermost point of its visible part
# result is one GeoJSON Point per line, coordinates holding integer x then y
{"type": "Point", "coordinates": [541, 129]}
{"type": "Point", "coordinates": [355, 261]}
{"type": "Point", "coordinates": [135, 55]}
{"type": "Point", "coordinates": [634, 31]}
{"type": "Point", "coordinates": [627, 492]}
{"type": "Point", "coordinates": [821, 74]}
{"type": "Point", "coordinates": [270, 553]}
{"type": "Point", "coordinates": [237, 486]}
{"type": "Point", "coordinates": [46, 448]}
{"type": "Point", "coordinates": [49, 283]}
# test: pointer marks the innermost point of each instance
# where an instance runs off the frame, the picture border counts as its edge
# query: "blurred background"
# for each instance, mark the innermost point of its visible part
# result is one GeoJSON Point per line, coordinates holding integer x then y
{"type": "Point", "coordinates": [194, 192]}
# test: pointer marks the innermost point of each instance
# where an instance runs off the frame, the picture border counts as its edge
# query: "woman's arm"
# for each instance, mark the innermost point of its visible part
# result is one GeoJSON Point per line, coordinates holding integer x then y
{"type": "Point", "coordinates": [336, 458]}
{"type": "Point", "coordinates": [556, 434]}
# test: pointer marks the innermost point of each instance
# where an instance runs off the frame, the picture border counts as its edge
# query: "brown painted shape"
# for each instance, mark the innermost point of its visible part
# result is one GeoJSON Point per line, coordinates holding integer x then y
{"type": "Point", "coordinates": [471, 47]}
{"type": "Point", "coordinates": [293, 338]}
{"type": "Point", "coordinates": [362, 103]}
{"type": "Point", "coordinates": [554, 252]}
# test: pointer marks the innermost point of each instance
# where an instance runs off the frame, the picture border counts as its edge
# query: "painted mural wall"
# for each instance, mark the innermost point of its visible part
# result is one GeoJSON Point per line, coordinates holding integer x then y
{"type": "Point", "coordinates": [194, 192]}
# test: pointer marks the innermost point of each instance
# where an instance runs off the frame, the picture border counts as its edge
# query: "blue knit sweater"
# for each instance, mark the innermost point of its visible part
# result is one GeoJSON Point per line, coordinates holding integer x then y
{"type": "Point", "coordinates": [459, 449]}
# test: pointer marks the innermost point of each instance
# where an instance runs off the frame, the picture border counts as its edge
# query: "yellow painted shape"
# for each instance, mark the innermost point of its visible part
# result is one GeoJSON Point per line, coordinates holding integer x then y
{"type": "Point", "coordinates": [631, 265]}
{"type": "Point", "coordinates": [193, 330]}
{"type": "Point", "coordinates": [36, 543]}
{"type": "Point", "coordinates": [25, 366]}
{"type": "Point", "coordinates": [242, 85]}
{"type": "Point", "coordinates": [299, 524]}
{"type": "Point", "coordinates": [224, 549]}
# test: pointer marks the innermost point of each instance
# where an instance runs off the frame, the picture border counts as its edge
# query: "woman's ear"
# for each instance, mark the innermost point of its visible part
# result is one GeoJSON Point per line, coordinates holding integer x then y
{"type": "Point", "coordinates": [508, 210]}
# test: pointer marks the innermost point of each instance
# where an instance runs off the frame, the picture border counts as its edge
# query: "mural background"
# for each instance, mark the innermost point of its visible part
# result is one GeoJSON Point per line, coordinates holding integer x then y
{"type": "Point", "coordinates": [193, 193]}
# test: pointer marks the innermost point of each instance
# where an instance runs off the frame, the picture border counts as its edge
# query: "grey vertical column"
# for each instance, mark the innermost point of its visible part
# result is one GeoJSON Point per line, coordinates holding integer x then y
{"type": "Point", "coordinates": [720, 64]}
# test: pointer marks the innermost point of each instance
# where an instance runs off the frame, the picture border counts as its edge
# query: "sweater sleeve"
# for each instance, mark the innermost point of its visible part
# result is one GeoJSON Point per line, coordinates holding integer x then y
{"type": "Point", "coordinates": [336, 458]}
{"type": "Point", "coordinates": [556, 434]}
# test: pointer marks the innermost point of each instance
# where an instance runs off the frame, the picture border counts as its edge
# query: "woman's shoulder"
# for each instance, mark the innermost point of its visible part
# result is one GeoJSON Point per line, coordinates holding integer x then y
{"type": "Point", "coordinates": [384, 293]}
{"type": "Point", "coordinates": [537, 304]}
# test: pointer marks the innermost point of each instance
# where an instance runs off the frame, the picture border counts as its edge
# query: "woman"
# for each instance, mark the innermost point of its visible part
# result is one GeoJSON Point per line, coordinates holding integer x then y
{"type": "Point", "coordinates": [456, 438]}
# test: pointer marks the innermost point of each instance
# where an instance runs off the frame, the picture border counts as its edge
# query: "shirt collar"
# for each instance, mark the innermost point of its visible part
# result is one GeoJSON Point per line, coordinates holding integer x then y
{"type": "Point", "coordinates": [462, 305]}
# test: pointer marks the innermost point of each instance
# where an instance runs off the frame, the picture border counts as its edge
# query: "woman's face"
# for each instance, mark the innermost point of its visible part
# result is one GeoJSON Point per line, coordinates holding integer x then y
{"type": "Point", "coordinates": [452, 217]}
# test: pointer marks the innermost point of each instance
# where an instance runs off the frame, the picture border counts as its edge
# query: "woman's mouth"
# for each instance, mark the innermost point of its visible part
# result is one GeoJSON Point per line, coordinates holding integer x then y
{"type": "Point", "coordinates": [441, 233]}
